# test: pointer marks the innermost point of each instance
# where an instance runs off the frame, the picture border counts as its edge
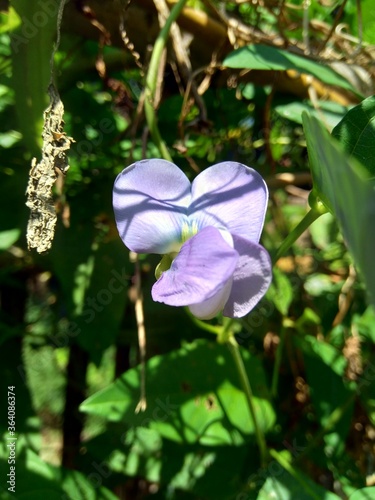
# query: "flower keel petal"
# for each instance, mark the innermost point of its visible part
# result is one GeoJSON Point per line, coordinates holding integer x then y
{"type": "Point", "coordinates": [251, 278]}
{"type": "Point", "coordinates": [150, 200]}
{"type": "Point", "coordinates": [202, 269]}
{"type": "Point", "coordinates": [211, 307]}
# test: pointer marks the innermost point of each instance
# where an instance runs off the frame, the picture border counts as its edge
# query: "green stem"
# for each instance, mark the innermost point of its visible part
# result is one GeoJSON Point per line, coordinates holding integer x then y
{"type": "Point", "coordinates": [331, 422]}
{"type": "Point", "coordinates": [276, 368]}
{"type": "Point", "coordinates": [202, 324]}
{"type": "Point", "coordinates": [285, 464]}
{"type": "Point", "coordinates": [234, 349]}
{"type": "Point", "coordinates": [225, 333]}
{"type": "Point", "coordinates": [152, 76]}
{"type": "Point", "coordinates": [311, 216]}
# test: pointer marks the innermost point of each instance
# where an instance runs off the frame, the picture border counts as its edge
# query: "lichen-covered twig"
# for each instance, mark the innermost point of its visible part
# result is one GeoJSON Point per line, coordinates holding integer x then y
{"type": "Point", "coordinates": [42, 220]}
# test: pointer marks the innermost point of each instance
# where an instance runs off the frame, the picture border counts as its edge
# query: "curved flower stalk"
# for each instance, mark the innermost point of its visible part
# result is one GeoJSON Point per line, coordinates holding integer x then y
{"type": "Point", "coordinates": [207, 231]}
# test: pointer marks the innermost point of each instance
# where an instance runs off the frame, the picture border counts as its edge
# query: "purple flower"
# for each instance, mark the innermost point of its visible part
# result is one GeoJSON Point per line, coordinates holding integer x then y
{"type": "Point", "coordinates": [207, 230]}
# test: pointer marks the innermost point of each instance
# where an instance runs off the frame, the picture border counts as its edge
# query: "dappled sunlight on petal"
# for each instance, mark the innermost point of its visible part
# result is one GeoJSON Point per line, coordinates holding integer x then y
{"type": "Point", "coordinates": [232, 196]}
{"type": "Point", "coordinates": [150, 200]}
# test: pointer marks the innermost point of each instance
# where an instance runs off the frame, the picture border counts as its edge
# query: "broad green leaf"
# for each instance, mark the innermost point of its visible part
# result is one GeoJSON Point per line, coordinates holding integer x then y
{"type": "Point", "coordinates": [94, 280]}
{"type": "Point", "coordinates": [193, 395]}
{"type": "Point", "coordinates": [282, 484]}
{"type": "Point", "coordinates": [368, 17]}
{"type": "Point", "coordinates": [331, 111]}
{"type": "Point", "coordinates": [9, 21]}
{"type": "Point", "coordinates": [32, 44]}
{"type": "Point", "coordinates": [364, 494]}
{"type": "Point", "coordinates": [35, 478]}
{"type": "Point", "coordinates": [356, 133]}
{"type": "Point", "coordinates": [323, 231]}
{"type": "Point", "coordinates": [264, 57]}
{"type": "Point", "coordinates": [344, 187]}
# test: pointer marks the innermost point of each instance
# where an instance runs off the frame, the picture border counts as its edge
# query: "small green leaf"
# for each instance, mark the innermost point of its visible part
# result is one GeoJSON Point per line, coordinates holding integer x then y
{"type": "Point", "coordinates": [264, 57]}
{"type": "Point", "coordinates": [356, 132]}
{"type": "Point", "coordinates": [280, 291]}
{"type": "Point", "coordinates": [8, 238]}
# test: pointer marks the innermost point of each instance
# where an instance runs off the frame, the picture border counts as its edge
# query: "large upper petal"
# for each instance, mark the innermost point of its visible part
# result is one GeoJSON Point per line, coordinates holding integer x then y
{"type": "Point", "coordinates": [231, 196]}
{"type": "Point", "coordinates": [202, 269]}
{"type": "Point", "coordinates": [251, 278]}
{"type": "Point", "coordinates": [150, 200]}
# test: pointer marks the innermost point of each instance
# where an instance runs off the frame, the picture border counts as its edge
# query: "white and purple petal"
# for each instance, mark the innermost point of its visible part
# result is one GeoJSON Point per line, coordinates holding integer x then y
{"type": "Point", "coordinates": [201, 270]}
{"type": "Point", "coordinates": [209, 308]}
{"type": "Point", "coordinates": [231, 196]}
{"type": "Point", "coordinates": [251, 278]}
{"type": "Point", "coordinates": [150, 200]}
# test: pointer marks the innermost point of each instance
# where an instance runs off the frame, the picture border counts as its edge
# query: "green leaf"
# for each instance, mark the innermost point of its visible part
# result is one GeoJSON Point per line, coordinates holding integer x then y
{"type": "Point", "coordinates": [331, 111]}
{"type": "Point", "coordinates": [364, 494]}
{"type": "Point", "coordinates": [280, 291]}
{"type": "Point", "coordinates": [36, 478]}
{"type": "Point", "coordinates": [367, 7]}
{"type": "Point", "coordinates": [356, 132]}
{"type": "Point", "coordinates": [193, 395]}
{"type": "Point", "coordinates": [366, 324]}
{"type": "Point", "coordinates": [291, 484]}
{"type": "Point", "coordinates": [94, 280]}
{"type": "Point", "coordinates": [344, 187]}
{"type": "Point", "coordinates": [32, 44]}
{"type": "Point", "coordinates": [325, 371]}
{"type": "Point", "coordinates": [8, 238]}
{"type": "Point", "coordinates": [264, 57]}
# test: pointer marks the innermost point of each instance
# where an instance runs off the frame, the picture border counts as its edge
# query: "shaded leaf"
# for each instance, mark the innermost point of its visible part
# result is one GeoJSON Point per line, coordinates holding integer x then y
{"type": "Point", "coordinates": [284, 485]}
{"type": "Point", "coordinates": [325, 370]}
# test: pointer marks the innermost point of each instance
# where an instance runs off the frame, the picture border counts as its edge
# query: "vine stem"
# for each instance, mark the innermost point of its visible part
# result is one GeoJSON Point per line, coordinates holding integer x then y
{"type": "Point", "coordinates": [285, 464]}
{"type": "Point", "coordinates": [151, 80]}
{"type": "Point", "coordinates": [311, 216]}
{"type": "Point", "coordinates": [245, 382]}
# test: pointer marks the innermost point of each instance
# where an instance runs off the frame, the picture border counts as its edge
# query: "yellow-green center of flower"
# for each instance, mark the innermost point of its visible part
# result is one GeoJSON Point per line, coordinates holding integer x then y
{"type": "Point", "coordinates": [188, 230]}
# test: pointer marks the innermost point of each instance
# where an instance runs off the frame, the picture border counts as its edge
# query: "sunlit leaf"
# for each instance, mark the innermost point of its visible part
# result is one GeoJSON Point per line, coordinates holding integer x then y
{"type": "Point", "coordinates": [356, 133]}
{"type": "Point", "coordinates": [345, 188]}
{"type": "Point", "coordinates": [8, 238]}
{"type": "Point", "coordinates": [193, 396]}
{"type": "Point", "coordinates": [265, 57]}
{"type": "Point", "coordinates": [364, 494]}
